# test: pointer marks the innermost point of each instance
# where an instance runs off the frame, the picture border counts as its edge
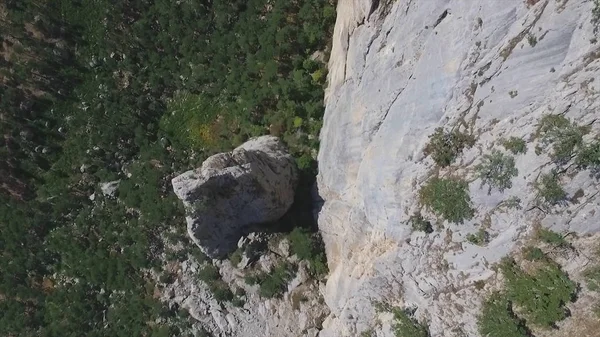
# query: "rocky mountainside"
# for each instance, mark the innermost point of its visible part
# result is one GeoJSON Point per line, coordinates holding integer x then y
{"type": "Point", "coordinates": [513, 85]}
{"type": "Point", "coordinates": [458, 185]}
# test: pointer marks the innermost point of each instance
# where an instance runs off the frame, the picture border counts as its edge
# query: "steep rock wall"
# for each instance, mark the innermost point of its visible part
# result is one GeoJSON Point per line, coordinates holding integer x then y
{"type": "Point", "coordinates": [398, 70]}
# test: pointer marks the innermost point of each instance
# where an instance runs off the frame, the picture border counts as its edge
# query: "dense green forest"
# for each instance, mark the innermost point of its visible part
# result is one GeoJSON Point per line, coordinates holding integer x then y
{"type": "Point", "coordinates": [136, 90]}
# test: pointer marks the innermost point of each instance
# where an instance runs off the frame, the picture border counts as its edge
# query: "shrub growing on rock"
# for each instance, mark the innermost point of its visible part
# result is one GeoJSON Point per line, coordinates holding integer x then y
{"type": "Point", "coordinates": [533, 254]}
{"type": "Point", "coordinates": [589, 158]}
{"type": "Point", "coordinates": [309, 247]}
{"type": "Point", "coordinates": [542, 294]}
{"type": "Point", "coordinates": [418, 223]}
{"type": "Point", "coordinates": [449, 198]}
{"type": "Point", "coordinates": [592, 278]}
{"type": "Point", "coordinates": [496, 170]}
{"type": "Point", "coordinates": [515, 145]}
{"type": "Point", "coordinates": [497, 319]}
{"type": "Point", "coordinates": [209, 274]}
{"type": "Point", "coordinates": [236, 257]}
{"type": "Point", "coordinates": [552, 238]}
{"type": "Point", "coordinates": [480, 238]}
{"type": "Point", "coordinates": [549, 190]}
{"type": "Point", "coordinates": [444, 146]}
{"type": "Point", "coordinates": [273, 284]}
{"type": "Point", "coordinates": [406, 325]}
{"type": "Point", "coordinates": [564, 136]}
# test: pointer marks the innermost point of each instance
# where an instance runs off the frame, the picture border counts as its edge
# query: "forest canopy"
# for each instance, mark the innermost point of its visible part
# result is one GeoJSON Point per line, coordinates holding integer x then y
{"type": "Point", "coordinates": [136, 91]}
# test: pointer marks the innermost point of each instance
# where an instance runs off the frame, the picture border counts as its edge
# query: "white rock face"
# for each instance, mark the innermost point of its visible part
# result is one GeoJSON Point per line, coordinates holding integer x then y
{"type": "Point", "coordinates": [110, 188]}
{"type": "Point", "coordinates": [398, 70]}
{"type": "Point", "coordinates": [253, 184]}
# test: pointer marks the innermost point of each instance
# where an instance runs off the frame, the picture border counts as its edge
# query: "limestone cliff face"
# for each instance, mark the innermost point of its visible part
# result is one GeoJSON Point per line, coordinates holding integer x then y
{"type": "Point", "coordinates": [398, 70]}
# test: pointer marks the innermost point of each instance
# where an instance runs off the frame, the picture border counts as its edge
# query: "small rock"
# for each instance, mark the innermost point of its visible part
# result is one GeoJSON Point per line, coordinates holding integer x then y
{"type": "Point", "coordinates": [110, 188]}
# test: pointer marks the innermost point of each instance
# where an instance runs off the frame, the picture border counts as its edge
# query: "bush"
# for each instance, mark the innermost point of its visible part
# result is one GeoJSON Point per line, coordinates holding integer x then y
{"type": "Point", "coordinates": [274, 284]}
{"type": "Point", "coordinates": [497, 171]}
{"type": "Point", "coordinates": [497, 319]}
{"type": "Point", "coordinates": [418, 223]}
{"type": "Point", "coordinates": [482, 237]}
{"type": "Point", "coordinates": [592, 278]}
{"type": "Point", "coordinates": [445, 146]}
{"type": "Point", "coordinates": [589, 158]}
{"type": "Point", "coordinates": [512, 202]}
{"type": "Point", "coordinates": [236, 257]}
{"type": "Point", "coordinates": [188, 121]}
{"type": "Point", "coordinates": [533, 254]}
{"type": "Point", "coordinates": [449, 198]}
{"type": "Point", "coordinates": [368, 333]}
{"type": "Point", "coordinates": [301, 243]}
{"type": "Point", "coordinates": [208, 273]}
{"type": "Point", "coordinates": [564, 136]}
{"type": "Point", "coordinates": [515, 145]}
{"type": "Point", "coordinates": [405, 325]}
{"type": "Point", "coordinates": [309, 247]}
{"type": "Point", "coordinates": [541, 295]}
{"type": "Point", "coordinates": [596, 15]}
{"type": "Point", "coordinates": [221, 291]}
{"type": "Point", "coordinates": [552, 238]}
{"type": "Point", "coordinates": [549, 189]}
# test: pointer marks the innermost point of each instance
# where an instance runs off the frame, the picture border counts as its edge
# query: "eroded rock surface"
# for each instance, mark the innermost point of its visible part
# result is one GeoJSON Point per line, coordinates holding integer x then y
{"type": "Point", "coordinates": [299, 311]}
{"type": "Point", "coordinates": [398, 70]}
{"type": "Point", "coordinates": [253, 184]}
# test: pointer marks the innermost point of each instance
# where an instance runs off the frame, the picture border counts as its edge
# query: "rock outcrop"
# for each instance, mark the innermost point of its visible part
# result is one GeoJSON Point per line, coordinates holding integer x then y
{"type": "Point", "coordinates": [299, 311]}
{"type": "Point", "coordinates": [400, 69]}
{"type": "Point", "coordinates": [253, 184]}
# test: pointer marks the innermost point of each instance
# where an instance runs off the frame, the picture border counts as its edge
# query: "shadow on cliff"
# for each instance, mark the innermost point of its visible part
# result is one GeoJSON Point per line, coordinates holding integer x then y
{"type": "Point", "coordinates": [304, 211]}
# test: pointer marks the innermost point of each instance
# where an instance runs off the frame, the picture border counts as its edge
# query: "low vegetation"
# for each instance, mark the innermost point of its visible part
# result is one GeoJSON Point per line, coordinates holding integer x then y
{"type": "Point", "coordinates": [406, 325]}
{"type": "Point", "coordinates": [596, 15]}
{"type": "Point", "coordinates": [552, 238]}
{"type": "Point", "coordinates": [445, 146]}
{"type": "Point", "coordinates": [496, 170]}
{"type": "Point", "coordinates": [533, 298]}
{"type": "Point", "coordinates": [274, 283]}
{"type": "Point", "coordinates": [498, 319]}
{"type": "Point", "coordinates": [209, 274]}
{"type": "Point", "coordinates": [589, 158]}
{"type": "Point", "coordinates": [592, 278]}
{"type": "Point", "coordinates": [564, 136]}
{"type": "Point", "coordinates": [541, 295]}
{"type": "Point", "coordinates": [236, 256]}
{"type": "Point", "coordinates": [531, 253]}
{"type": "Point", "coordinates": [309, 247]}
{"type": "Point", "coordinates": [549, 190]}
{"type": "Point", "coordinates": [418, 223]}
{"type": "Point", "coordinates": [480, 238]}
{"type": "Point", "coordinates": [515, 145]}
{"type": "Point", "coordinates": [448, 198]}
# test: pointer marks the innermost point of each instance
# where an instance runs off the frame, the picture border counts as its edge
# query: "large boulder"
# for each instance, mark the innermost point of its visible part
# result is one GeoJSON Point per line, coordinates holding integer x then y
{"type": "Point", "coordinates": [252, 184]}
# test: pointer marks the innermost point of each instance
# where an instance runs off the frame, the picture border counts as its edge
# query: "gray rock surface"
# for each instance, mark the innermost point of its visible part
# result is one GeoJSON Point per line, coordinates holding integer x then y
{"type": "Point", "coordinates": [398, 70]}
{"type": "Point", "coordinates": [110, 188]}
{"type": "Point", "coordinates": [300, 311]}
{"type": "Point", "coordinates": [253, 184]}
